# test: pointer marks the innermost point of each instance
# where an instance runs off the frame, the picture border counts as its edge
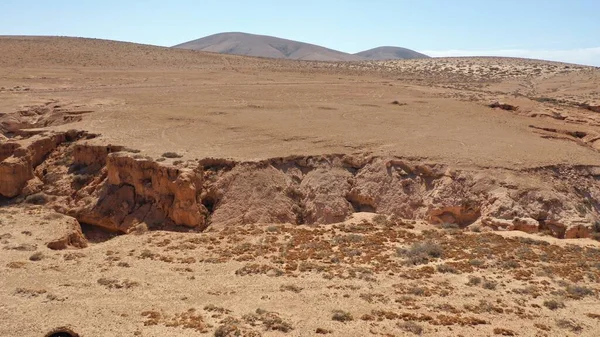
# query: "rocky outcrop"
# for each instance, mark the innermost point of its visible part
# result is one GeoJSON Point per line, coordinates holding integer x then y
{"type": "Point", "coordinates": [391, 187]}
{"type": "Point", "coordinates": [460, 215]}
{"type": "Point", "coordinates": [324, 195]}
{"type": "Point", "coordinates": [138, 189]}
{"type": "Point", "coordinates": [118, 191]}
{"type": "Point", "coordinates": [7, 148]}
{"type": "Point", "coordinates": [14, 174]}
{"type": "Point", "coordinates": [496, 224]}
{"type": "Point", "coordinates": [70, 236]}
{"type": "Point", "coordinates": [16, 169]}
{"type": "Point", "coordinates": [90, 154]}
{"type": "Point", "coordinates": [50, 113]}
{"type": "Point", "coordinates": [252, 194]}
{"type": "Point", "coordinates": [527, 225]}
{"type": "Point", "coordinates": [579, 230]}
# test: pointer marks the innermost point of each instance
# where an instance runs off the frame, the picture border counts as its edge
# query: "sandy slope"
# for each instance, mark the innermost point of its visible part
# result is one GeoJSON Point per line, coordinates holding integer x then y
{"type": "Point", "coordinates": [201, 105]}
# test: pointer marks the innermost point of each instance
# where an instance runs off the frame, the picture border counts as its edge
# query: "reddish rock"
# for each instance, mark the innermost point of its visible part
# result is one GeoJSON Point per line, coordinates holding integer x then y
{"type": "Point", "coordinates": [527, 225]}
{"type": "Point", "coordinates": [497, 224]}
{"type": "Point", "coordinates": [14, 174]}
{"type": "Point", "coordinates": [578, 231]}
{"type": "Point", "coordinates": [70, 235]}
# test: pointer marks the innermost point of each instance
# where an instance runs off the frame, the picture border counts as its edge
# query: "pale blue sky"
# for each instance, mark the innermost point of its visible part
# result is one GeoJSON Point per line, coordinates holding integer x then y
{"type": "Point", "coordinates": [550, 29]}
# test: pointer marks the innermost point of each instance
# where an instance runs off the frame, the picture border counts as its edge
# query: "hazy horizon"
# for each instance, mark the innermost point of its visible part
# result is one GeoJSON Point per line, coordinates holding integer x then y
{"type": "Point", "coordinates": [555, 30]}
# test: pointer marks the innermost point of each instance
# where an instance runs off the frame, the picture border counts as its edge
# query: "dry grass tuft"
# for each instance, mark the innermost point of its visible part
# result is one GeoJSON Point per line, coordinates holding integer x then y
{"type": "Point", "coordinates": [568, 324]}
{"type": "Point", "coordinates": [342, 316]}
{"type": "Point", "coordinates": [37, 199]}
{"type": "Point", "coordinates": [422, 253]}
{"type": "Point", "coordinates": [290, 287]}
{"type": "Point", "coordinates": [504, 332]}
{"type": "Point", "coordinates": [578, 292]}
{"type": "Point", "coordinates": [411, 327]}
{"type": "Point", "coordinates": [554, 304]}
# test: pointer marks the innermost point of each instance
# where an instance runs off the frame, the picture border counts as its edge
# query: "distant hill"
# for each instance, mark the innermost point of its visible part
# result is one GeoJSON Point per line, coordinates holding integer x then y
{"type": "Point", "coordinates": [274, 47]}
{"type": "Point", "coordinates": [390, 53]}
{"type": "Point", "coordinates": [266, 46]}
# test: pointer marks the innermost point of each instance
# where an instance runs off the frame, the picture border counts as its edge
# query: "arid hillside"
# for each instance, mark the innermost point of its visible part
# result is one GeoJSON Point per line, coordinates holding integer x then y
{"type": "Point", "coordinates": [149, 191]}
{"type": "Point", "coordinates": [245, 44]}
{"type": "Point", "coordinates": [390, 53]}
{"type": "Point", "coordinates": [265, 46]}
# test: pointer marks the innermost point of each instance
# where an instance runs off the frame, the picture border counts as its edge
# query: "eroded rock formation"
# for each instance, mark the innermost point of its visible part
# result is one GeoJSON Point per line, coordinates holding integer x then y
{"type": "Point", "coordinates": [18, 159]}
{"type": "Point", "coordinates": [109, 187]}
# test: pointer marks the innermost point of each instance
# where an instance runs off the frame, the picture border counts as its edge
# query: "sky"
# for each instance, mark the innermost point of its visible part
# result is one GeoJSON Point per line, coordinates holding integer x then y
{"type": "Point", "coordinates": [561, 30]}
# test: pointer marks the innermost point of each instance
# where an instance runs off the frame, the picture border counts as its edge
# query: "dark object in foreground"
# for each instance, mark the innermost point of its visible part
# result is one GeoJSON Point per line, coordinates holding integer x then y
{"type": "Point", "coordinates": [62, 332]}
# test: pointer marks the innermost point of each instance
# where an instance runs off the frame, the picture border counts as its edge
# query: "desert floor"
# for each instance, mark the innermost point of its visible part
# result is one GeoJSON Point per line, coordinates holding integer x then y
{"type": "Point", "coordinates": [367, 274]}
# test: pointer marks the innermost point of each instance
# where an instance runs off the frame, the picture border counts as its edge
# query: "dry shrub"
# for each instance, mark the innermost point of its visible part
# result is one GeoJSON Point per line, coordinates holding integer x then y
{"type": "Point", "coordinates": [411, 327]}
{"type": "Point", "coordinates": [16, 264]}
{"type": "Point", "coordinates": [444, 268]}
{"type": "Point", "coordinates": [381, 220]}
{"type": "Point", "coordinates": [342, 316]}
{"type": "Point", "coordinates": [422, 253]}
{"type": "Point", "coordinates": [474, 280]}
{"type": "Point", "coordinates": [80, 180]}
{"type": "Point", "coordinates": [449, 225]}
{"type": "Point", "coordinates": [554, 304]}
{"type": "Point", "coordinates": [228, 330]}
{"type": "Point", "coordinates": [568, 324]}
{"type": "Point", "coordinates": [489, 285]}
{"type": "Point", "coordinates": [270, 320]}
{"type": "Point", "coordinates": [290, 287]}
{"type": "Point", "coordinates": [171, 155]}
{"type": "Point", "coordinates": [187, 320]}
{"type": "Point", "coordinates": [116, 284]}
{"type": "Point", "coordinates": [578, 292]}
{"type": "Point", "coordinates": [322, 331]}
{"type": "Point", "coordinates": [30, 292]}
{"type": "Point", "coordinates": [214, 308]}
{"type": "Point", "coordinates": [37, 199]}
{"type": "Point", "coordinates": [504, 332]}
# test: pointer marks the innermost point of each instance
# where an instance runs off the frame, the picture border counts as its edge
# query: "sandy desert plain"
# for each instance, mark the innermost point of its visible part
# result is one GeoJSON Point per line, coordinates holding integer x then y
{"type": "Point", "coordinates": [148, 191]}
